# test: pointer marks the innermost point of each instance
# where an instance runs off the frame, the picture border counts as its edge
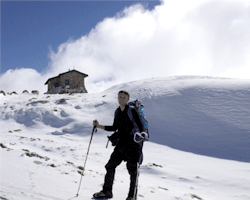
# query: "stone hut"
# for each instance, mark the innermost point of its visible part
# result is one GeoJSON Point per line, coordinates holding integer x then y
{"type": "Point", "coordinates": [68, 82]}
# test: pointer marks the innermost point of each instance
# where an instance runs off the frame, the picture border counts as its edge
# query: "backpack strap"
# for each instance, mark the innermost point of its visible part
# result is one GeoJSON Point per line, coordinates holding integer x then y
{"type": "Point", "coordinates": [131, 117]}
{"type": "Point", "coordinates": [135, 129]}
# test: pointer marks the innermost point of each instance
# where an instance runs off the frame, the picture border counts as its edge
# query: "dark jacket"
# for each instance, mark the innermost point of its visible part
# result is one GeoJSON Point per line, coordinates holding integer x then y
{"type": "Point", "coordinates": [123, 126]}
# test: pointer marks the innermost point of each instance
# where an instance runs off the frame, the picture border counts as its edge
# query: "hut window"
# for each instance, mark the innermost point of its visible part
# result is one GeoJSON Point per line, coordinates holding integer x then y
{"type": "Point", "coordinates": [66, 82]}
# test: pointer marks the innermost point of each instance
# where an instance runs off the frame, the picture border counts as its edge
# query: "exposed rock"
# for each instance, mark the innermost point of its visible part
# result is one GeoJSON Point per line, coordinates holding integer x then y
{"type": "Point", "coordinates": [3, 198]}
{"type": "Point", "coordinates": [196, 197]}
{"type": "Point", "coordinates": [35, 92]}
{"type": "Point", "coordinates": [80, 172]}
{"type": "Point", "coordinates": [42, 101]}
{"type": "Point", "coordinates": [2, 145]}
{"type": "Point", "coordinates": [14, 92]}
{"type": "Point", "coordinates": [33, 154]}
{"type": "Point", "coordinates": [35, 102]}
{"type": "Point", "coordinates": [70, 163]}
{"type": "Point", "coordinates": [25, 92]}
{"type": "Point", "coordinates": [5, 147]}
{"type": "Point", "coordinates": [163, 188]}
{"type": "Point", "coordinates": [2, 92]}
{"type": "Point", "coordinates": [38, 162]}
{"type": "Point", "coordinates": [62, 101]}
{"type": "Point", "coordinates": [80, 167]}
{"type": "Point", "coordinates": [156, 165]}
{"type": "Point", "coordinates": [32, 99]}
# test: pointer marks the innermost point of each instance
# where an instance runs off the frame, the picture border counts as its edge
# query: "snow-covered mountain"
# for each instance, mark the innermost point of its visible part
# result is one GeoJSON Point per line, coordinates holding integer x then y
{"type": "Point", "coordinates": [44, 140]}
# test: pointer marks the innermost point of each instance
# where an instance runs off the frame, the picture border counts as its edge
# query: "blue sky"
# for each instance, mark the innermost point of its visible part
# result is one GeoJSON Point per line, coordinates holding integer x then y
{"type": "Point", "coordinates": [121, 41]}
{"type": "Point", "coordinates": [30, 28]}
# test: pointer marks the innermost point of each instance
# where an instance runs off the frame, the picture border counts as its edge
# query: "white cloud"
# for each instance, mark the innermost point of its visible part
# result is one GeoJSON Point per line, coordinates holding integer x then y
{"type": "Point", "coordinates": [176, 38]}
{"type": "Point", "coordinates": [22, 79]}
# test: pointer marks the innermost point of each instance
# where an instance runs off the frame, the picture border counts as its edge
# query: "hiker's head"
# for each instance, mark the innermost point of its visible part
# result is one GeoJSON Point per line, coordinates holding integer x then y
{"type": "Point", "coordinates": [124, 92]}
{"type": "Point", "coordinates": [123, 97]}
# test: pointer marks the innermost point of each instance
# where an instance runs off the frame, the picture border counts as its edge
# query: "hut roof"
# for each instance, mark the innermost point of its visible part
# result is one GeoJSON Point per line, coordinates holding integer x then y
{"type": "Point", "coordinates": [85, 75]}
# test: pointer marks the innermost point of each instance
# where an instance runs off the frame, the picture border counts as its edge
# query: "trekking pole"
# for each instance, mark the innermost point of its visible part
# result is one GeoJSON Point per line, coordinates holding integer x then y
{"type": "Point", "coordinates": [107, 144]}
{"type": "Point", "coordinates": [94, 130]}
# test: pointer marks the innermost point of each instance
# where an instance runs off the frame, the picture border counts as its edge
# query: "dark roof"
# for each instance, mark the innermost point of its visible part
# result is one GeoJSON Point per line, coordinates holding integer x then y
{"type": "Point", "coordinates": [85, 75]}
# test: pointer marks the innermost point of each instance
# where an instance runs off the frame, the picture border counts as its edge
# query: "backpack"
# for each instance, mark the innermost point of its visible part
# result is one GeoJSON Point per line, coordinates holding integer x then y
{"type": "Point", "coordinates": [139, 107]}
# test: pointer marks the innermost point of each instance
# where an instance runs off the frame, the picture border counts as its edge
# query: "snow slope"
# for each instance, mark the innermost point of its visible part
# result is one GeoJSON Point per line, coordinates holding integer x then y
{"type": "Point", "coordinates": [45, 140]}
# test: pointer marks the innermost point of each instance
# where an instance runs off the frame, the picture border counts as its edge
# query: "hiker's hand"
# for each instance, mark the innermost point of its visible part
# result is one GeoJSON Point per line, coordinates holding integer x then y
{"type": "Point", "coordinates": [96, 123]}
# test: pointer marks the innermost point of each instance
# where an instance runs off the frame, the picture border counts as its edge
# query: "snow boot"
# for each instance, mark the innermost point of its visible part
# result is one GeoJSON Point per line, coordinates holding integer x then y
{"type": "Point", "coordinates": [103, 195]}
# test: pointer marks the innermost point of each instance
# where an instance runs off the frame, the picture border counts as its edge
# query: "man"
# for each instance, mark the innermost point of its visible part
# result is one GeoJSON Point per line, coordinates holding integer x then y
{"type": "Point", "coordinates": [126, 149]}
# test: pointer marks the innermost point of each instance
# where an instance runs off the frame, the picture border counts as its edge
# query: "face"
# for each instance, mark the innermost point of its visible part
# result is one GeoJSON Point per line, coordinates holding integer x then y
{"type": "Point", "coordinates": [123, 99]}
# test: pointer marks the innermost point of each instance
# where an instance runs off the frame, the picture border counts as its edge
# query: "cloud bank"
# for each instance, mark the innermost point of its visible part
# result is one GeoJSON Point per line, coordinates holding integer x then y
{"type": "Point", "coordinates": [207, 38]}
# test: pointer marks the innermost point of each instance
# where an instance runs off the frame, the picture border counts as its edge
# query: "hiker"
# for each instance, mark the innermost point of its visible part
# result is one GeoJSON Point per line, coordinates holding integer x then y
{"type": "Point", "coordinates": [126, 148]}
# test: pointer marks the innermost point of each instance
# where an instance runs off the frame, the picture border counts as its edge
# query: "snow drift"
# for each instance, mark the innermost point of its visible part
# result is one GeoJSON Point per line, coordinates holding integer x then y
{"type": "Point", "coordinates": [202, 115]}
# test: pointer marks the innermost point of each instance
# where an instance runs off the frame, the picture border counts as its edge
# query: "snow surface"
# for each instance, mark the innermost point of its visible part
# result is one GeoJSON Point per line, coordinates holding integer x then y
{"type": "Point", "coordinates": [199, 142]}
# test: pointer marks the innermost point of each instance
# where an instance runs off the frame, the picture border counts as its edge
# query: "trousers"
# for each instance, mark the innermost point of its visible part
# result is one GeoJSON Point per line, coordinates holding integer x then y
{"type": "Point", "coordinates": [115, 159]}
